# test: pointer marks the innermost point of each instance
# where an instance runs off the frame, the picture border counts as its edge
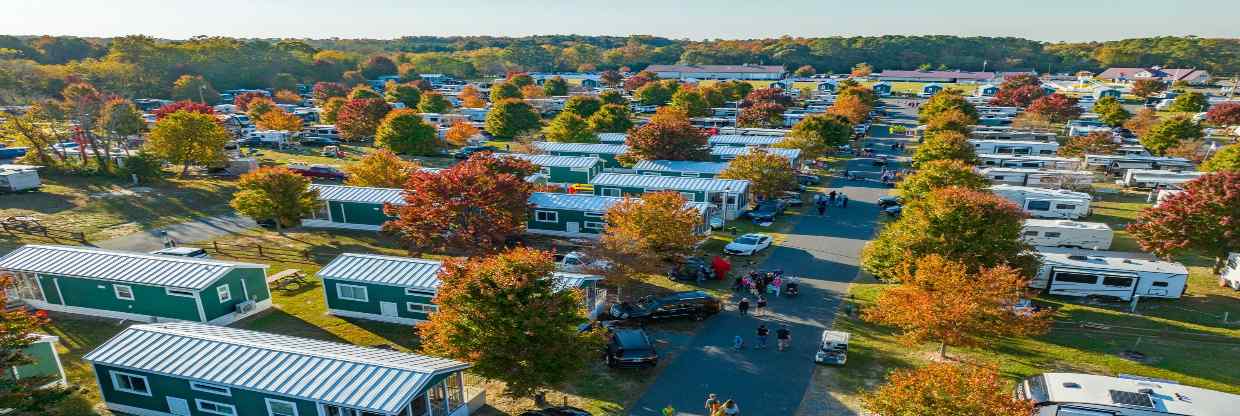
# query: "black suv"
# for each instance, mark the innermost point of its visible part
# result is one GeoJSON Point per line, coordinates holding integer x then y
{"type": "Point", "coordinates": [694, 304]}
{"type": "Point", "coordinates": [631, 347]}
{"type": "Point", "coordinates": [767, 210]}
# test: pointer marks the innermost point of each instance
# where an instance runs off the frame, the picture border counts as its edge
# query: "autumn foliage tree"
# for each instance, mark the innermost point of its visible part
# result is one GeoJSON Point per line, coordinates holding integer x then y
{"type": "Point", "coordinates": [769, 175]}
{"type": "Point", "coordinates": [484, 304]}
{"type": "Point", "coordinates": [259, 107]}
{"type": "Point", "coordinates": [861, 70]}
{"type": "Point", "coordinates": [1224, 114]}
{"type": "Point", "coordinates": [1141, 122]}
{"type": "Point", "coordinates": [187, 138]}
{"type": "Point", "coordinates": [278, 119]}
{"type": "Point", "coordinates": [946, 100]}
{"type": "Point", "coordinates": [471, 207]}
{"type": "Point", "coordinates": [194, 88]}
{"type": "Point", "coordinates": [953, 303]}
{"type": "Point", "coordinates": [816, 133]}
{"type": "Point", "coordinates": [939, 174]}
{"type": "Point", "coordinates": [358, 119]}
{"type": "Point", "coordinates": [275, 193]}
{"type": "Point", "coordinates": [533, 91]}
{"type": "Point", "coordinates": [945, 145]}
{"type": "Point", "coordinates": [951, 120]}
{"type": "Point", "coordinates": [642, 233]}
{"type": "Point", "coordinates": [1204, 218]}
{"type": "Point", "coordinates": [976, 228]}
{"type": "Point", "coordinates": [324, 90]}
{"type": "Point", "coordinates": [805, 71]}
{"type": "Point", "coordinates": [948, 389]}
{"type": "Point", "coordinates": [851, 107]}
{"type": "Point", "coordinates": [331, 109]}
{"type": "Point", "coordinates": [763, 114]}
{"type": "Point", "coordinates": [242, 101]}
{"type": "Point", "coordinates": [404, 131]}
{"type": "Point", "coordinates": [20, 328]}
{"type": "Point", "coordinates": [1095, 143]}
{"type": "Point", "coordinates": [460, 133]}
{"type": "Point", "coordinates": [1018, 91]}
{"type": "Point", "coordinates": [287, 97]}
{"type": "Point", "coordinates": [471, 97]}
{"type": "Point", "coordinates": [190, 106]}
{"type": "Point", "coordinates": [610, 78]}
{"type": "Point", "coordinates": [668, 136]}
{"type": "Point", "coordinates": [1146, 88]}
{"type": "Point", "coordinates": [1057, 108]}
{"type": "Point", "coordinates": [379, 169]}
{"type": "Point", "coordinates": [1226, 159]}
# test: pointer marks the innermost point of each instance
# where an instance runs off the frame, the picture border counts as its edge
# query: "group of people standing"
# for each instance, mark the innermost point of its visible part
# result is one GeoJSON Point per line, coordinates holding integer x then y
{"type": "Point", "coordinates": [832, 198]}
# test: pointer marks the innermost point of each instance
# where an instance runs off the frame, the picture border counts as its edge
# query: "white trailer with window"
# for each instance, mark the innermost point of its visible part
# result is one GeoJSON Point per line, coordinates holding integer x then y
{"type": "Point", "coordinates": [1065, 233]}
{"type": "Point", "coordinates": [1046, 203]}
{"type": "Point", "coordinates": [1042, 178]}
{"type": "Point", "coordinates": [1014, 147]}
{"type": "Point", "coordinates": [1108, 274]}
{"type": "Point", "coordinates": [1030, 161]}
{"type": "Point", "coordinates": [1142, 178]}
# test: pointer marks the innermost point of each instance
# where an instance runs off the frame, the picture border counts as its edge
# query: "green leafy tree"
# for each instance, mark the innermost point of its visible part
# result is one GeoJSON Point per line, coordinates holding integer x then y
{"type": "Point", "coordinates": [713, 95]}
{"type": "Point", "coordinates": [555, 87]}
{"type": "Point", "coordinates": [406, 94]}
{"type": "Point", "coordinates": [569, 128]}
{"type": "Point", "coordinates": [976, 228]}
{"type": "Point", "coordinates": [505, 90]}
{"type": "Point", "coordinates": [1111, 112]}
{"type": "Point", "coordinates": [1201, 219]}
{"type": "Point", "coordinates": [1169, 133]}
{"type": "Point", "coordinates": [611, 118]}
{"type": "Point", "coordinates": [613, 97]}
{"type": "Point", "coordinates": [187, 138]}
{"type": "Point", "coordinates": [945, 145]}
{"type": "Point", "coordinates": [1191, 102]}
{"type": "Point", "coordinates": [657, 93]}
{"type": "Point", "coordinates": [352, 78]}
{"type": "Point", "coordinates": [938, 174]}
{"type": "Point", "coordinates": [769, 175]}
{"type": "Point", "coordinates": [404, 131]}
{"type": "Point", "coordinates": [582, 105]}
{"type": "Point", "coordinates": [120, 117]}
{"type": "Point", "coordinates": [284, 82]}
{"type": "Point", "coordinates": [275, 193]}
{"type": "Point", "coordinates": [433, 102]}
{"type": "Point", "coordinates": [486, 303]}
{"type": "Point", "coordinates": [691, 102]}
{"type": "Point", "coordinates": [944, 101]}
{"type": "Point", "coordinates": [521, 80]}
{"type": "Point", "coordinates": [331, 108]}
{"type": "Point", "coordinates": [194, 88]}
{"type": "Point", "coordinates": [1226, 159]}
{"type": "Point", "coordinates": [817, 133]}
{"type": "Point", "coordinates": [363, 92]}
{"type": "Point", "coordinates": [511, 117]}
{"type": "Point", "coordinates": [378, 66]}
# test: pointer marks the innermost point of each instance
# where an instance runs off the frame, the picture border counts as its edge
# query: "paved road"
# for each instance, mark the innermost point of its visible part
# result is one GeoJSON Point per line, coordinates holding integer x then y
{"type": "Point", "coordinates": [824, 251]}
{"type": "Point", "coordinates": [187, 232]}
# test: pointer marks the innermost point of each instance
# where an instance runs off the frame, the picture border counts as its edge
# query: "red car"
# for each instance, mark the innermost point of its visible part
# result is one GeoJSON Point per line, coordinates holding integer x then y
{"type": "Point", "coordinates": [317, 171]}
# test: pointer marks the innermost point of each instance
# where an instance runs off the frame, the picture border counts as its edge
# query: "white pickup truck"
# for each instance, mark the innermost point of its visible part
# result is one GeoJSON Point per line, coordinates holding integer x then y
{"type": "Point", "coordinates": [578, 262]}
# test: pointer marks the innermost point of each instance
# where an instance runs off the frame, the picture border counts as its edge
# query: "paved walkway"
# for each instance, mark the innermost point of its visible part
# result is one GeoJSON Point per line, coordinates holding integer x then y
{"type": "Point", "coordinates": [824, 251]}
{"type": "Point", "coordinates": [187, 232]}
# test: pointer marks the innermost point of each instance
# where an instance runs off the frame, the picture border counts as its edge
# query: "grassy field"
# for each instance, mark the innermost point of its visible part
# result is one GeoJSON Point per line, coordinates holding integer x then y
{"type": "Point", "coordinates": [1176, 336]}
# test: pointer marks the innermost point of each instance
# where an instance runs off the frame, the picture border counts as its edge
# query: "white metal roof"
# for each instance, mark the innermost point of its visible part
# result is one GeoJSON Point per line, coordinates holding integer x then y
{"type": "Point", "coordinates": [671, 183]}
{"type": "Point", "coordinates": [572, 280]}
{"type": "Point", "coordinates": [1168, 397]}
{"type": "Point", "coordinates": [1080, 225]}
{"type": "Point", "coordinates": [384, 270]}
{"type": "Point", "coordinates": [610, 149]}
{"type": "Point", "coordinates": [1108, 260]}
{"type": "Point", "coordinates": [713, 168]}
{"type": "Point", "coordinates": [1027, 171]}
{"type": "Point", "coordinates": [618, 138]}
{"type": "Point", "coordinates": [369, 379]}
{"type": "Point", "coordinates": [360, 194]}
{"type": "Point", "coordinates": [734, 151]}
{"type": "Point", "coordinates": [120, 266]}
{"type": "Point", "coordinates": [745, 140]}
{"type": "Point", "coordinates": [1003, 190]}
{"type": "Point", "coordinates": [575, 202]}
{"type": "Point", "coordinates": [557, 161]}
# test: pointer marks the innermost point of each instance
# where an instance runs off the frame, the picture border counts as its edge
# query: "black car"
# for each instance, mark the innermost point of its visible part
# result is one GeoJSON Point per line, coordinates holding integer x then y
{"type": "Point", "coordinates": [318, 141]}
{"type": "Point", "coordinates": [767, 210]}
{"type": "Point", "coordinates": [808, 179]}
{"type": "Point", "coordinates": [630, 347]}
{"type": "Point", "coordinates": [557, 411]}
{"type": "Point", "coordinates": [693, 304]}
{"type": "Point", "coordinates": [467, 151]}
{"type": "Point", "coordinates": [890, 201]}
{"type": "Point", "coordinates": [692, 269]}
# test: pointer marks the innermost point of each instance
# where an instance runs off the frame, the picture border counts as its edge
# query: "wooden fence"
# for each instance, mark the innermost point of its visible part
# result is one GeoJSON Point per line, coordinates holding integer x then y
{"type": "Point", "coordinates": [29, 227]}
{"type": "Point", "coordinates": [257, 252]}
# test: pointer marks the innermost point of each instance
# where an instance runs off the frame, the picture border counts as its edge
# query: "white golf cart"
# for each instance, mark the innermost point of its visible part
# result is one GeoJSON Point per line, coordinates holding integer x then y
{"type": "Point", "coordinates": [834, 348]}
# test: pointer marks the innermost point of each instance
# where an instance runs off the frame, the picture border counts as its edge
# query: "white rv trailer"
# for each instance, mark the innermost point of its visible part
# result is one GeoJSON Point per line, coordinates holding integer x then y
{"type": "Point", "coordinates": [1135, 162]}
{"type": "Point", "coordinates": [17, 178]}
{"type": "Point", "coordinates": [1014, 147]}
{"type": "Point", "coordinates": [1108, 274]}
{"type": "Point", "coordinates": [1065, 233]}
{"type": "Point", "coordinates": [1012, 135]}
{"type": "Point", "coordinates": [1041, 178]}
{"type": "Point", "coordinates": [1230, 276]}
{"type": "Point", "coordinates": [1029, 161]}
{"type": "Point", "coordinates": [1143, 178]}
{"type": "Point", "coordinates": [1075, 394]}
{"type": "Point", "coordinates": [1163, 194]}
{"type": "Point", "coordinates": [1046, 203]}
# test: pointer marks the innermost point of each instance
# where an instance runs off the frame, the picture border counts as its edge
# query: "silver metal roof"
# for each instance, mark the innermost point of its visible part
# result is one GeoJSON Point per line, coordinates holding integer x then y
{"type": "Point", "coordinates": [384, 270]}
{"type": "Point", "coordinates": [1108, 260]}
{"type": "Point", "coordinates": [609, 149]}
{"type": "Point", "coordinates": [713, 168]}
{"type": "Point", "coordinates": [738, 150]}
{"type": "Point", "coordinates": [618, 138]}
{"type": "Point", "coordinates": [563, 281]}
{"type": "Point", "coordinates": [363, 378]}
{"type": "Point", "coordinates": [744, 140]}
{"type": "Point", "coordinates": [558, 161]}
{"type": "Point", "coordinates": [360, 194]}
{"type": "Point", "coordinates": [120, 266]}
{"type": "Point", "coordinates": [670, 183]}
{"type": "Point", "coordinates": [575, 202]}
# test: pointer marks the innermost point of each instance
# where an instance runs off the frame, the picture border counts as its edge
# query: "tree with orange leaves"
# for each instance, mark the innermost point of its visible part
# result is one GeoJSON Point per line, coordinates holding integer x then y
{"type": "Point", "coordinates": [278, 119]}
{"type": "Point", "coordinates": [533, 91]}
{"type": "Point", "coordinates": [380, 169]}
{"type": "Point", "coordinates": [471, 97]}
{"type": "Point", "coordinates": [851, 107]}
{"type": "Point", "coordinates": [471, 207]}
{"type": "Point", "coordinates": [941, 301]}
{"type": "Point", "coordinates": [946, 389]}
{"type": "Point", "coordinates": [460, 133]}
{"type": "Point", "coordinates": [492, 310]}
{"type": "Point", "coordinates": [642, 232]}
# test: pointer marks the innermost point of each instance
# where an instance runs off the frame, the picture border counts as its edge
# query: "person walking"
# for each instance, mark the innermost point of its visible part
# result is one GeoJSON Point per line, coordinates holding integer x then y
{"type": "Point", "coordinates": [669, 410]}
{"type": "Point", "coordinates": [743, 306]}
{"type": "Point", "coordinates": [844, 201]}
{"type": "Point", "coordinates": [831, 197]}
{"type": "Point", "coordinates": [712, 404]}
{"type": "Point", "coordinates": [783, 336]}
{"type": "Point", "coordinates": [763, 332]}
{"type": "Point", "coordinates": [777, 284]}
{"type": "Point", "coordinates": [730, 408]}
{"type": "Point", "coordinates": [761, 305]}
{"type": "Point", "coordinates": [822, 207]}
{"type": "Point", "coordinates": [738, 342]}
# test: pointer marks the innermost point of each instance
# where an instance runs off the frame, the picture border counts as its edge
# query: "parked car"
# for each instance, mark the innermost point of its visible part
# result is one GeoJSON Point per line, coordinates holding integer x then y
{"type": "Point", "coordinates": [317, 171]}
{"type": "Point", "coordinates": [557, 411]}
{"type": "Point", "coordinates": [748, 245]}
{"type": "Point", "coordinates": [890, 201]}
{"type": "Point", "coordinates": [792, 199]}
{"type": "Point", "coordinates": [318, 141]}
{"type": "Point", "coordinates": [578, 262]}
{"type": "Point", "coordinates": [808, 179]}
{"type": "Point", "coordinates": [694, 304]}
{"type": "Point", "coordinates": [467, 151]}
{"type": "Point", "coordinates": [692, 269]}
{"type": "Point", "coordinates": [630, 347]}
{"type": "Point", "coordinates": [765, 211]}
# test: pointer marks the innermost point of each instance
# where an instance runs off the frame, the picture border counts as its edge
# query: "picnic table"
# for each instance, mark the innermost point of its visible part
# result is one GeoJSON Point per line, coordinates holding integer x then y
{"type": "Point", "coordinates": [286, 278]}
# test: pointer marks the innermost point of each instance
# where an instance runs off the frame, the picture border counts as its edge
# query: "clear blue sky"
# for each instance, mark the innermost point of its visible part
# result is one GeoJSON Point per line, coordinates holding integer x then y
{"type": "Point", "coordinates": [1051, 20]}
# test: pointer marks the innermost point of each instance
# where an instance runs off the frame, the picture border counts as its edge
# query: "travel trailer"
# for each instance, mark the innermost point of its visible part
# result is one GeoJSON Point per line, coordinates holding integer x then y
{"type": "Point", "coordinates": [1014, 147]}
{"type": "Point", "coordinates": [1108, 274]}
{"type": "Point", "coordinates": [1075, 394]}
{"type": "Point", "coordinates": [1046, 203]}
{"type": "Point", "coordinates": [1041, 178]}
{"type": "Point", "coordinates": [17, 178]}
{"type": "Point", "coordinates": [1064, 233]}
{"type": "Point", "coordinates": [1029, 161]}
{"type": "Point", "coordinates": [1145, 178]}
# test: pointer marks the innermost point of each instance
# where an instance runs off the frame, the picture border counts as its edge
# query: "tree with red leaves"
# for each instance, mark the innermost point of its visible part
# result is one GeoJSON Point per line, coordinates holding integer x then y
{"type": "Point", "coordinates": [762, 114]}
{"type": "Point", "coordinates": [1204, 218]}
{"type": "Point", "coordinates": [358, 119]}
{"type": "Point", "coordinates": [191, 106]}
{"type": "Point", "coordinates": [1095, 143]}
{"type": "Point", "coordinates": [20, 328]}
{"type": "Point", "coordinates": [946, 389]}
{"type": "Point", "coordinates": [767, 95]}
{"type": "Point", "coordinates": [1224, 114]}
{"type": "Point", "coordinates": [1145, 88]}
{"type": "Point", "coordinates": [637, 81]}
{"type": "Point", "coordinates": [1018, 91]}
{"type": "Point", "coordinates": [243, 101]}
{"type": "Point", "coordinates": [471, 207]}
{"type": "Point", "coordinates": [668, 136]}
{"type": "Point", "coordinates": [324, 90]}
{"type": "Point", "coordinates": [1057, 108]}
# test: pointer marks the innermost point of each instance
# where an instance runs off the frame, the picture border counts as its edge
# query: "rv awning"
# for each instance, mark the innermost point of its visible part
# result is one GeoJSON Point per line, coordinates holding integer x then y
{"type": "Point", "coordinates": [1095, 271]}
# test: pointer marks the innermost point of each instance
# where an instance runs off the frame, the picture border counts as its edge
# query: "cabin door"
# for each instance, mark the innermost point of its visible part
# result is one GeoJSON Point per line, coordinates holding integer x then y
{"type": "Point", "coordinates": [387, 308]}
{"type": "Point", "coordinates": [178, 406]}
{"type": "Point", "coordinates": [574, 227]}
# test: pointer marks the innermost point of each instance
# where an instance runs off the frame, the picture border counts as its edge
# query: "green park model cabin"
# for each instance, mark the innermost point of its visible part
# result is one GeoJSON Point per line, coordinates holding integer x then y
{"type": "Point", "coordinates": [682, 168]}
{"type": "Point", "coordinates": [353, 207]}
{"type": "Point", "coordinates": [709, 190]}
{"type": "Point", "coordinates": [45, 365]}
{"type": "Point", "coordinates": [564, 169]}
{"type": "Point", "coordinates": [581, 215]}
{"type": "Point", "coordinates": [136, 286]}
{"type": "Point", "coordinates": [729, 153]}
{"type": "Point", "coordinates": [606, 152]}
{"type": "Point", "coordinates": [187, 368]}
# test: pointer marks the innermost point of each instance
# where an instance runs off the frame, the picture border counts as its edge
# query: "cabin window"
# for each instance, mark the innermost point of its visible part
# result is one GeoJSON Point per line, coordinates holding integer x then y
{"type": "Point", "coordinates": [689, 196]}
{"type": "Point", "coordinates": [1159, 284]}
{"type": "Point", "coordinates": [180, 292]}
{"type": "Point", "coordinates": [281, 408]}
{"type": "Point", "coordinates": [1031, 233]}
{"type": "Point", "coordinates": [1087, 279]}
{"type": "Point", "coordinates": [1038, 206]}
{"type": "Point", "coordinates": [409, 291]}
{"type": "Point", "coordinates": [224, 293]}
{"type": "Point", "coordinates": [546, 216]}
{"type": "Point", "coordinates": [545, 171]}
{"type": "Point", "coordinates": [130, 383]}
{"type": "Point", "coordinates": [1114, 281]}
{"type": "Point", "coordinates": [1052, 234]}
{"type": "Point", "coordinates": [1047, 152]}
{"type": "Point", "coordinates": [689, 174]}
{"type": "Point", "coordinates": [352, 292]}
{"type": "Point", "coordinates": [207, 406]}
{"type": "Point", "coordinates": [123, 292]}
{"type": "Point", "coordinates": [1065, 206]}
{"type": "Point", "coordinates": [594, 225]}
{"type": "Point", "coordinates": [421, 307]}
{"type": "Point", "coordinates": [210, 388]}
{"type": "Point", "coordinates": [593, 215]}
